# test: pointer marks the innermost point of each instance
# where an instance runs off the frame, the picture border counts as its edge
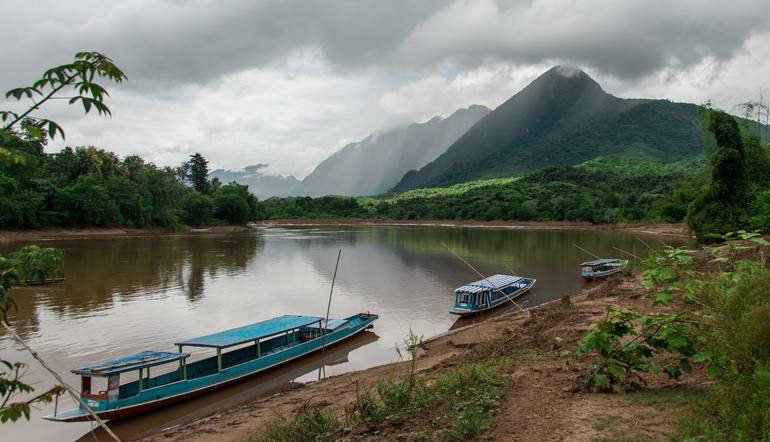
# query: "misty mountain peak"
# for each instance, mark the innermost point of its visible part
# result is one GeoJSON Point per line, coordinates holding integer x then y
{"type": "Point", "coordinates": [568, 71]}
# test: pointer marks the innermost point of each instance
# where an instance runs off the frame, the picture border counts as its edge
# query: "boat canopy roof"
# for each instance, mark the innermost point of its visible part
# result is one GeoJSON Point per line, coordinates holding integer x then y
{"type": "Point", "coordinates": [251, 332]}
{"type": "Point", "coordinates": [493, 282]}
{"type": "Point", "coordinates": [135, 362]}
{"type": "Point", "coordinates": [597, 262]}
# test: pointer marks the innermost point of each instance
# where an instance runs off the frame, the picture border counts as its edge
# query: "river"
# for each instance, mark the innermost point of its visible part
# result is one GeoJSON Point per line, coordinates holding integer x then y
{"type": "Point", "coordinates": [127, 294]}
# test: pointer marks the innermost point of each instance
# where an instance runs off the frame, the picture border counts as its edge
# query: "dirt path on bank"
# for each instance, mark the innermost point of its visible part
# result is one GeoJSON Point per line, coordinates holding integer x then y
{"type": "Point", "coordinates": [540, 402]}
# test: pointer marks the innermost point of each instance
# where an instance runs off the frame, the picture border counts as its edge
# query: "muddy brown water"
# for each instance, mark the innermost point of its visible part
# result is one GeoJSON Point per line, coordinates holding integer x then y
{"type": "Point", "coordinates": [127, 294]}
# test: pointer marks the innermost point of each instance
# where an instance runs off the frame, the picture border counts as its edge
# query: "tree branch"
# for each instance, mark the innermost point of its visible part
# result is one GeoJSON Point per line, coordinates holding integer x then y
{"type": "Point", "coordinates": [46, 98]}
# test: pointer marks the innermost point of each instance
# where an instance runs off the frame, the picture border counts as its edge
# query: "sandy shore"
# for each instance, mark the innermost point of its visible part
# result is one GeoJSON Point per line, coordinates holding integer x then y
{"type": "Point", "coordinates": [96, 232]}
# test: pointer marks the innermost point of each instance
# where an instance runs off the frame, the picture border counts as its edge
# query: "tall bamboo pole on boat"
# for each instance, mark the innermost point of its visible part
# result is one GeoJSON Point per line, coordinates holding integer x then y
{"type": "Point", "coordinates": [487, 280]}
{"type": "Point", "coordinates": [627, 253]}
{"type": "Point", "coordinates": [61, 381]}
{"type": "Point", "coordinates": [645, 244]}
{"type": "Point", "coordinates": [585, 251]}
{"type": "Point", "coordinates": [329, 304]}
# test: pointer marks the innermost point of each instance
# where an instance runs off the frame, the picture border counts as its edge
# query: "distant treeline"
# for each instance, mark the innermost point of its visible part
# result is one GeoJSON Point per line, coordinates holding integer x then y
{"type": "Point", "coordinates": [558, 193]}
{"type": "Point", "coordinates": [91, 187]}
{"type": "Point", "coordinates": [726, 192]}
{"type": "Point", "coordinates": [87, 186]}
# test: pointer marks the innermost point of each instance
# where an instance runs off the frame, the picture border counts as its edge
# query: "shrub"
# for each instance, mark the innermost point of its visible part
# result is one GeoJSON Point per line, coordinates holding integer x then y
{"type": "Point", "coordinates": [197, 209]}
{"type": "Point", "coordinates": [314, 423]}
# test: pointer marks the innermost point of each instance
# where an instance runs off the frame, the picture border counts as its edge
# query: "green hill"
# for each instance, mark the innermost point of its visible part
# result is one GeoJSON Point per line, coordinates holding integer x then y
{"type": "Point", "coordinates": [562, 118]}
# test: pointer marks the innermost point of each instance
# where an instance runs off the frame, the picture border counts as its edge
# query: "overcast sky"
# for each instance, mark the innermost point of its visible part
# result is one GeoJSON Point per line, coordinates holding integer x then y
{"type": "Point", "coordinates": [288, 82]}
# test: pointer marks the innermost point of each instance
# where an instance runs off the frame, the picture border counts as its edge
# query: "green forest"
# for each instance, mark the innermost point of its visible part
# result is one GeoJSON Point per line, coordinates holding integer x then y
{"type": "Point", "coordinates": [728, 190]}
{"type": "Point", "coordinates": [86, 186]}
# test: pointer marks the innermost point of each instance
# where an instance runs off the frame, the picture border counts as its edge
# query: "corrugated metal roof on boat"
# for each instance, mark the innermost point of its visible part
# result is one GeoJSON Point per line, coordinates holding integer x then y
{"type": "Point", "coordinates": [492, 282]}
{"type": "Point", "coordinates": [251, 332]}
{"type": "Point", "coordinates": [129, 363]}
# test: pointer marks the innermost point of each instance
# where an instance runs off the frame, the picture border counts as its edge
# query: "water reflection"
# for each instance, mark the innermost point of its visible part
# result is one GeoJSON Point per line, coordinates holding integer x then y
{"type": "Point", "coordinates": [128, 294]}
{"type": "Point", "coordinates": [104, 271]}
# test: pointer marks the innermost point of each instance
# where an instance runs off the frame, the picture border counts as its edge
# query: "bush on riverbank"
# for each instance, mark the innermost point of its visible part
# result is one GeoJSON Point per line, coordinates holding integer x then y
{"type": "Point", "coordinates": [721, 301]}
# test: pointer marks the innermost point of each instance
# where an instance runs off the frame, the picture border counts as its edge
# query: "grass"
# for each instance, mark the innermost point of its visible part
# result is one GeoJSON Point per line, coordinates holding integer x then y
{"type": "Point", "coordinates": [456, 404]}
{"type": "Point", "coordinates": [313, 423]}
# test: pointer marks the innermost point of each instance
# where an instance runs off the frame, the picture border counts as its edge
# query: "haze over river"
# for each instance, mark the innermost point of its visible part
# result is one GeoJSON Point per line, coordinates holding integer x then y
{"type": "Point", "coordinates": [127, 294]}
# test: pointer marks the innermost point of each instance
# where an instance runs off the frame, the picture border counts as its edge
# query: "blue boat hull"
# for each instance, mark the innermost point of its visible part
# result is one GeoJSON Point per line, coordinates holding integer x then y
{"type": "Point", "coordinates": [604, 273]}
{"type": "Point", "coordinates": [476, 309]}
{"type": "Point", "coordinates": [170, 394]}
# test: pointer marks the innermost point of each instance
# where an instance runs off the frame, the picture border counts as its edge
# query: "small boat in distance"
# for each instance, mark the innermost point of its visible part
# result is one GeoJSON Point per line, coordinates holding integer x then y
{"type": "Point", "coordinates": [260, 346]}
{"type": "Point", "coordinates": [601, 268]}
{"type": "Point", "coordinates": [488, 293]}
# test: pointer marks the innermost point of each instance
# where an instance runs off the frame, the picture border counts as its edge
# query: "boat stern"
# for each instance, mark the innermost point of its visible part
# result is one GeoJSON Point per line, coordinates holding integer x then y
{"type": "Point", "coordinates": [463, 310]}
{"type": "Point", "coordinates": [72, 415]}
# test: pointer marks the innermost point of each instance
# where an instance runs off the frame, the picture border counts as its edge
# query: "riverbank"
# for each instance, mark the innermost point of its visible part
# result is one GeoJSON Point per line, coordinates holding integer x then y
{"type": "Point", "coordinates": [539, 398]}
{"type": "Point", "coordinates": [97, 232]}
{"type": "Point", "coordinates": [666, 230]}
{"type": "Point", "coordinates": [662, 229]}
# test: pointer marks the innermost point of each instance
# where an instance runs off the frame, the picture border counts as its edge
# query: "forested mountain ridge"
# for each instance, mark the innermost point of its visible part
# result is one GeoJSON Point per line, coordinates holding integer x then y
{"type": "Point", "coordinates": [377, 163]}
{"type": "Point", "coordinates": [562, 118]}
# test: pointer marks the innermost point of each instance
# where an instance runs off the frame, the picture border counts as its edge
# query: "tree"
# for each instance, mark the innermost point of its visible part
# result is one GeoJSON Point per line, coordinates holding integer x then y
{"type": "Point", "coordinates": [235, 204]}
{"type": "Point", "coordinates": [197, 209]}
{"type": "Point", "coordinates": [198, 173]}
{"type": "Point", "coordinates": [719, 209]}
{"type": "Point", "coordinates": [728, 166]}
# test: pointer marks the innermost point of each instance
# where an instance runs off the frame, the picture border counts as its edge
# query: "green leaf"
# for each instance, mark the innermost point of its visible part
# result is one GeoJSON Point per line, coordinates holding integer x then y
{"type": "Point", "coordinates": [601, 380]}
{"type": "Point", "coordinates": [713, 370]}
{"type": "Point", "coordinates": [662, 298]}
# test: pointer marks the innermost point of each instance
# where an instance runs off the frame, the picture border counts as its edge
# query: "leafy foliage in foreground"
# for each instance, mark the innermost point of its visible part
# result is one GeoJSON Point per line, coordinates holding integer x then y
{"type": "Point", "coordinates": [725, 328]}
{"type": "Point", "coordinates": [629, 344]}
{"type": "Point", "coordinates": [28, 262]}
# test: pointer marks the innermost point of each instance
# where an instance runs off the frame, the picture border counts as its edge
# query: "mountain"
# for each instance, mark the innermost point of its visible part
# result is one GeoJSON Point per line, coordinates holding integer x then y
{"type": "Point", "coordinates": [375, 164]}
{"type": "Point", "coordinates": [260, 184]}
{"type": "Point", "coordinates": [563, 117]}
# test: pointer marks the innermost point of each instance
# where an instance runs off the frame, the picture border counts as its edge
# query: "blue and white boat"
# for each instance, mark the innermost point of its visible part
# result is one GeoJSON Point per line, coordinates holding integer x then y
{"type": "Point", "coordinates": [601, 268]}
{"type": "Point", "coordinates": [489, 293]}
{"type": "Point", "coordinates": [252, 349]}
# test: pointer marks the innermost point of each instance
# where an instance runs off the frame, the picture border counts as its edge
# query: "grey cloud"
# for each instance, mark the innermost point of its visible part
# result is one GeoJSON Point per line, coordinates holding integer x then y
{"type": "Point", "coordinates": [196, 41]}
{"type": "Point", "coordinates": [628, 39]}
{"type": "Point", "coordinates": [167, 42]}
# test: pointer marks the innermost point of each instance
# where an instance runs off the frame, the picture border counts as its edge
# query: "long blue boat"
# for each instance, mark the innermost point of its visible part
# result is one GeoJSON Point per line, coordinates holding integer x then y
{"type": "Point", "coordinates": [602, 268]}
{"type": "Point", "coordinates": [260, 346]}
{"type": "Point", "coordinates": [488, 293]}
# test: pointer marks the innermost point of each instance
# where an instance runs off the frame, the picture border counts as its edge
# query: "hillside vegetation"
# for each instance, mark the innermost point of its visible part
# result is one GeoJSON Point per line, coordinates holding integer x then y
{"type": "Point", "coordinates": [650, 191]}
{"type": "Point", "coordinates": [563, 118]}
